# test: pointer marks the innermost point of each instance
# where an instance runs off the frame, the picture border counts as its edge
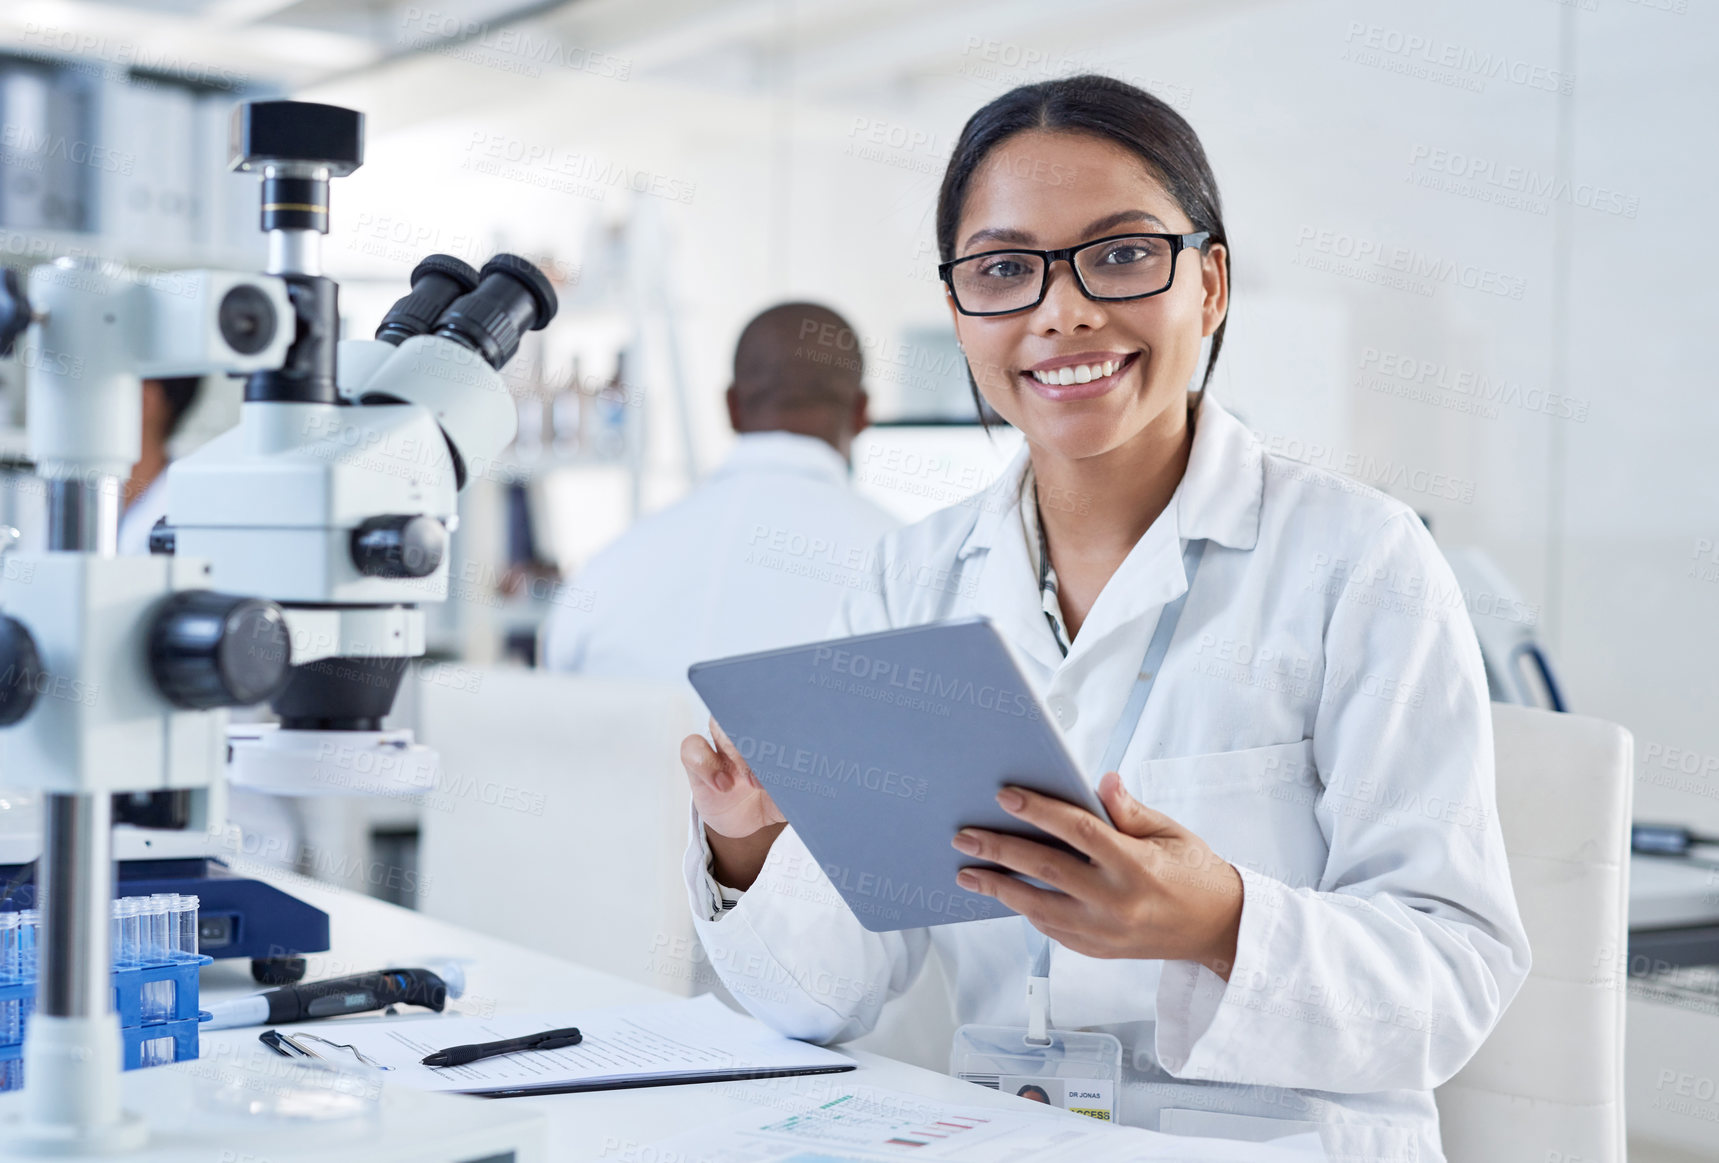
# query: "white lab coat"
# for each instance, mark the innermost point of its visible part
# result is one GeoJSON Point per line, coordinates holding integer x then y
{"type": "Point", "coordinates": [1321, 720]}
{"type": "Point", "coordinates": [758, 556]}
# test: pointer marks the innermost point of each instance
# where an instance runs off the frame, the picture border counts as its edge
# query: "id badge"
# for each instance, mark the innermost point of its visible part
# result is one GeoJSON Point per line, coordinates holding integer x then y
{"type": "Point", "coordinates": [1079, 1071]}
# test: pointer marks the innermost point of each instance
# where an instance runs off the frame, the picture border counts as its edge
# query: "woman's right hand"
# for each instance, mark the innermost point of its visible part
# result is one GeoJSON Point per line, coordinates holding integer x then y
{"type": "Point", "coordinates": [741, 821]}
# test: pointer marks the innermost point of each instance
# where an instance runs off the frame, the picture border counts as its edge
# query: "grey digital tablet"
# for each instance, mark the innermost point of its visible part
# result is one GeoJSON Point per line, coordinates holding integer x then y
{"type": "Point", "coordinates": [879, 748]}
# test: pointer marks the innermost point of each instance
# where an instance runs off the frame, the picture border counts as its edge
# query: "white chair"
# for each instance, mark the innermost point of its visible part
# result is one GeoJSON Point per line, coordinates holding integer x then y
{"type": "Point", "coordinates": [560, 819]}
{"type": "Point", "coordinates": [1548, 1084]}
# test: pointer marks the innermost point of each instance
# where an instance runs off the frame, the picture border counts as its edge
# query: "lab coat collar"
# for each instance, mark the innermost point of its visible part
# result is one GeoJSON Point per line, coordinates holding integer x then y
{"type": "Point", "coordinates": [1217, 499]}
{"type": "Point", "coordinates": [1000, 501]}
{"type": "Point", "coordinates": [786, 452]}
{"type": "Point", "coordinates": [1224, 484]}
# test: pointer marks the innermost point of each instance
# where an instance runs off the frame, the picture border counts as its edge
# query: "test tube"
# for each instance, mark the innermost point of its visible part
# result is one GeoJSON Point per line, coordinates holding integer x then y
{"type": "Point", "coordinates": [159, 918]}
{"type": "Point", "coordinates": [29, 920]}
{"type": "Point", "coordinates": [186, 920]}
{"type": "Point", "coordinates": [143, 932]}
{"type": "Point", "coordinates": [128, 945]}
{"type": "Point", "coordinates": [9, 1019]}
{"type": "Point", "coordinates": [168, 903]}
{"type": "Point", "coordinates": [158, 995]}
{"type": "Point", "coordinates": [29, 926]}
{"type": "Point", "coordinates": [175, 926]}
{"type": "Point", "coordinates": [8, 948]}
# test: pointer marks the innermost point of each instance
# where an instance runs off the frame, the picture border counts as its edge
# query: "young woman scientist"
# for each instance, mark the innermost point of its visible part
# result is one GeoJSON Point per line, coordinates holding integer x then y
{"type": "Point", "coordinates": [1303, 913]}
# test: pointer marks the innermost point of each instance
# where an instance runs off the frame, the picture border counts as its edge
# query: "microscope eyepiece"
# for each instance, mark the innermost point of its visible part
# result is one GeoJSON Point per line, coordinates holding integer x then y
{"type": "Point", "coordinates": [436, 283]}
{"type": "Point", "coordinates": [512, 297]}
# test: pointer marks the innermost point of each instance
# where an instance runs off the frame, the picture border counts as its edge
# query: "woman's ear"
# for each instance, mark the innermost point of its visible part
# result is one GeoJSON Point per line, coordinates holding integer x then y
{"type": "Point", "coordinates": [1215, 276]}
{"type": "Point", "coordinates": [954, 315]}
{"type": "Point", "coordinates": [955, 322]}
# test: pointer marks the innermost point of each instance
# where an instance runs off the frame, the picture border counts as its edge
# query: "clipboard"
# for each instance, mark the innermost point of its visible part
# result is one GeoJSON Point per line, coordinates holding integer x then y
{"type": "Point", "coordinates": [625, 1047]}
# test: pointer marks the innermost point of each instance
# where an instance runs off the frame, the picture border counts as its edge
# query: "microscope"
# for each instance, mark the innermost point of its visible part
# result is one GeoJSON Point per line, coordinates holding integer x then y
{"type": "Point", "coordinates": [297, 553]}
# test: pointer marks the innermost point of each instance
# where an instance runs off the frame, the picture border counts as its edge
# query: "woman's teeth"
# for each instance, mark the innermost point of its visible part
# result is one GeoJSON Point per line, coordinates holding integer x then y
{"type": "Point", "coordinates": [1083, 373]}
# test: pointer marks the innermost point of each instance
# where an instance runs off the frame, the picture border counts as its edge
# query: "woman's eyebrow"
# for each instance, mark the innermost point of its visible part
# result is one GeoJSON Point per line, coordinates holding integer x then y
{"type": "Point", "coordinates": [1024, 238]}
{"type": "Point", "coordinates": [999, 234]}
{"type": "Point", "coordinates": [1122, 217]}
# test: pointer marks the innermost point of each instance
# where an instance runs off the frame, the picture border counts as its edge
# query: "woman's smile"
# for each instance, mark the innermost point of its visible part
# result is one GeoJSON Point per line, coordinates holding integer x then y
{"type": "Point", "coordinates": [1081, 376]}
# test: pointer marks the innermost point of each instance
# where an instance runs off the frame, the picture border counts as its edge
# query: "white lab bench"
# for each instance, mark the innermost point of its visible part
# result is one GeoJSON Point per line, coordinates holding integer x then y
{"type": "Point", "coordinates": [1673, 1020]}
{"type": "Point", "coordinates": [367, 934]}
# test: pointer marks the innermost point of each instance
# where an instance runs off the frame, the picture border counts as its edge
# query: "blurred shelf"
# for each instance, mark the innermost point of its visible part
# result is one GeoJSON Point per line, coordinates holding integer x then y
{"type": "Point", "coordinates": [27, 248]}
{"type": "Point", "coordinates": [538, 465]}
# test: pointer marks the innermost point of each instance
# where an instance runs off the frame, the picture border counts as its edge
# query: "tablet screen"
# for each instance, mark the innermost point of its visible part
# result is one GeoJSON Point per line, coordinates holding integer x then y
{"type": "Point", "coordinates": [879, 748]}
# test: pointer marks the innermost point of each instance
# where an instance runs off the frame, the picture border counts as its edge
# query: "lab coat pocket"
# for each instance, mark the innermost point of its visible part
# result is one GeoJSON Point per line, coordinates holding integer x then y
{"type": "Point", "coordinates": [1255, 807]}
{"type": "Point", "coordinates": [1337, 1143]}
{"type": "Point", "coordinates": [1222, 1125]}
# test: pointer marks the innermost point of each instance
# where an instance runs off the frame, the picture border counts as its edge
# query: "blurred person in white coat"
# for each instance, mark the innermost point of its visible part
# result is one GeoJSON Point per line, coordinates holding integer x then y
{"type": "Point", "coordinates": [1302, 918]}
{"type": "Point", "coordinates": [761, 552]}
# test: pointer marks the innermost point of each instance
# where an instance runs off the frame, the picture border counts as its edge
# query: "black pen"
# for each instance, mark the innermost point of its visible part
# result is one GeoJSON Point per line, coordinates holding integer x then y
{"type": "Point", "coordinates": [547, 1040]}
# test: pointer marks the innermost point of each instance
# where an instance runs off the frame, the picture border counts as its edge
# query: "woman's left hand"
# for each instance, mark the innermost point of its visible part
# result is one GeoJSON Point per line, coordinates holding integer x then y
{"type": "Point", "coordinates": [1153, 889]}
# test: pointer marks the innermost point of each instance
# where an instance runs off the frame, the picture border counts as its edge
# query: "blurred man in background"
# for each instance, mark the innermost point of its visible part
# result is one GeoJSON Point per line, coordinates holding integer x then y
{"type": "Point", "coordinates": [165, 404]}
{"type": "Point", "coordinates": [759, 554]}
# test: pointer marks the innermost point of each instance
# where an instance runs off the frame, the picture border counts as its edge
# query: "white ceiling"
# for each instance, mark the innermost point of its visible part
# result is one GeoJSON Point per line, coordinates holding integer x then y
{"type": "Point", "coordinates": [875, 53]}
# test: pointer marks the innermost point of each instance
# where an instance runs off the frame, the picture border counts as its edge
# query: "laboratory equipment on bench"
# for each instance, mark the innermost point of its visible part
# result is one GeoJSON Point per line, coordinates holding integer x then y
{"type": "Point", "coordinates": [1673, 900]}
{"type": "Point", "coordinates": [158, 847]}
{"type": "Point", "coordinates": [155, 966]}
{"type": "Point", "coordinates": [1673, 840]}
{"type": "Point", "coordinates": [356, 993]}
{"type": "Point", "coordinates": [323, 519]}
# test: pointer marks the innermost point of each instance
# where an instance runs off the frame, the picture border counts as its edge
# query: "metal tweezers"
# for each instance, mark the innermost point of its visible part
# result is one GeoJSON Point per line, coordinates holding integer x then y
{"type": "Point", "coordinates": [292, 1046]}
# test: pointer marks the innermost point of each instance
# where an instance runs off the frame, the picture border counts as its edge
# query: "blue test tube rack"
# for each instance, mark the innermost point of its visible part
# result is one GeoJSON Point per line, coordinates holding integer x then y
{"type": "Point", "coordinates": [164, 986]}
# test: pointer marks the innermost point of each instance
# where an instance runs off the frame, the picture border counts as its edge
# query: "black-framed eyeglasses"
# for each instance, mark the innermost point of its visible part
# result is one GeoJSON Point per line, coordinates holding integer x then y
{"type": "Point", "coordinates": [1112, 269]}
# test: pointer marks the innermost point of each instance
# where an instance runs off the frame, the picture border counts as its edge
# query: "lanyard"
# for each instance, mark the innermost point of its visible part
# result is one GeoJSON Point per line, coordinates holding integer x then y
{"type": "Point", "coordinates": [1038, 982]}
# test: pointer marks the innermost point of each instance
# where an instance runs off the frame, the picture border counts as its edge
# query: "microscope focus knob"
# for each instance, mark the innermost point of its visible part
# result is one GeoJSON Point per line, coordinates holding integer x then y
{"type": "Point", "coordinates": [218, 650]}
{"type": "Point", "coordinates": [396, 547]}
{"type": "Point", "coordinates": [21, 671]}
